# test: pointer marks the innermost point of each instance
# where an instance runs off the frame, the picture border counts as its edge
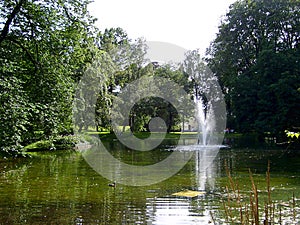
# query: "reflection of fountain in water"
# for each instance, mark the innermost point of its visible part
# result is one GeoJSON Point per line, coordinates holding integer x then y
{"type": "Point", "coordinates": [177, 211]}
{"type": "Point", "coordinates": [205, 170]}
{"type": "Point", "coordinates": [206, 147]}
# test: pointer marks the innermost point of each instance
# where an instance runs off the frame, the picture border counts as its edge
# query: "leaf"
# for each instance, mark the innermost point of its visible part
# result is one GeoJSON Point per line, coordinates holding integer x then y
{"type": "Point", "coordinates": [189, 193]}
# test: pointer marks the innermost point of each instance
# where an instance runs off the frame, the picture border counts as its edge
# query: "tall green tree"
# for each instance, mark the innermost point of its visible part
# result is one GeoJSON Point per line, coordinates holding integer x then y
{"type": "Point", "coordinates": [44, 46]}
{"type": "Point", "coordinates": [256, 58]}
{"type": "Point", "coordinates": [151, 107]}
{"type": "Point", "coordinates": [127, 58]}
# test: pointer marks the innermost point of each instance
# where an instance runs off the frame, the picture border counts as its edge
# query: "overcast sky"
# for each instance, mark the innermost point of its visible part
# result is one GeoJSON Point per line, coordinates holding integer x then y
{"type": "Point", "coordinates": [190, 24]}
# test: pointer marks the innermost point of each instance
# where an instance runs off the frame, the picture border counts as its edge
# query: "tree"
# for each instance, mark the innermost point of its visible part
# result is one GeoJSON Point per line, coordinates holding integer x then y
{"type": "Point", "coordinates": [44, 46]}
{"type": "Point", "coordinates": [154, 106]}
{"type": "Point", "coordinates": [14, 113]}
{"type": "Point", "coordinates": [117, 61]}
{"type": "Point", "coordinates": [256, 59]}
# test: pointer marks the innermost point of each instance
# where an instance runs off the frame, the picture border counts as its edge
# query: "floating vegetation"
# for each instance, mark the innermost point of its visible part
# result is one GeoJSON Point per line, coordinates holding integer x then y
{"type": "Point", "coordinates": [189, 193]}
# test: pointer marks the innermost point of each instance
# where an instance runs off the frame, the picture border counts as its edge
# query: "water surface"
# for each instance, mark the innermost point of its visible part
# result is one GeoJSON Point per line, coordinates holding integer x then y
{"type": "Point", "coordinates": [61, 188]}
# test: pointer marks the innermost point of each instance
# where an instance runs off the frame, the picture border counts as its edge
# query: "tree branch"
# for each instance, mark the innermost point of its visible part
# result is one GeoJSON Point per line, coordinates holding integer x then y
{"type": "Point", "coordinates": [28, 53]}
{"type": "Point", "coordinates": [69, 16]}
{"type": "Point", "coordinates": [9, 20]}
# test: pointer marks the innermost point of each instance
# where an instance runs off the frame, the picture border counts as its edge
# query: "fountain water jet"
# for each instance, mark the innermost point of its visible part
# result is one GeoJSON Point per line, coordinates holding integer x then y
{"type": "Point", "coordinates": [207, 145]}
{"type": "Point", "coordinates": [206, 124]}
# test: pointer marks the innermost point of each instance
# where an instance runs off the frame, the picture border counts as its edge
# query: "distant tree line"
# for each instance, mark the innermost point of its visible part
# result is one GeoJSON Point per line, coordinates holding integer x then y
{"type": "Point", "coordinates": [47, 46]}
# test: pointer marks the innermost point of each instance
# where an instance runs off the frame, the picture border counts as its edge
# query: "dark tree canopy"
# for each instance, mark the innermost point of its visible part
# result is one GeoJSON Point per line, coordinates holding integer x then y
{"type": "Point", "coordinates": [256, 59]}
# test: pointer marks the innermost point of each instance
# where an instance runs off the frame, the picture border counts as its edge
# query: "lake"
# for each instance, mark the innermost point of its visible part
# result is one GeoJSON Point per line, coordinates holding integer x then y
{"type": "Point", "coordinates": [60, 187]}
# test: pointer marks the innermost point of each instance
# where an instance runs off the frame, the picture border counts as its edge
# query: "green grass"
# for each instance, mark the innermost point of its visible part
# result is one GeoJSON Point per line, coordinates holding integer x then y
{"type": "Point", "coordinates": [68, 142]}
{"type": "Point", "coordinates": [187, 134]}
{"type": "Point", "coordinates": [57, 143]}
{"type": "Point", "coordinates": [233, 135]}
{"type": "Point", "coordinates": [38, 146]}
{"type": "Point", "coordinates": [143, 135]}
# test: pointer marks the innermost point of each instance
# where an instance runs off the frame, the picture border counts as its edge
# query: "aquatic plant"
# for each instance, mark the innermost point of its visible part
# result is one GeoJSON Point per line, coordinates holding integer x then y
{"type": "Point", "coordinates": [256, 209]}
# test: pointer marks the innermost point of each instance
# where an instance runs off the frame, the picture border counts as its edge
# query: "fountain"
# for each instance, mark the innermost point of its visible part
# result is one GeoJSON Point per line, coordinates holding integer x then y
{"type": "Point", "coordinates": [208, 134]}
{"type": "Point", "coordinates": [206, 146]}
{"type": "Point", "coordinates": [205, 120]}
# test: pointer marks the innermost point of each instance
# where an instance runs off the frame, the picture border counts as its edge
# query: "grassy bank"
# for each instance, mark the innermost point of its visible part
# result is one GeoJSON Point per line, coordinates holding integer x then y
{"type": "Point", "coordinates": [69, 142]}
{"type": "Point", "coordinates": [106, 136]}
{"type": "Point", "coordinates": [57, 143]}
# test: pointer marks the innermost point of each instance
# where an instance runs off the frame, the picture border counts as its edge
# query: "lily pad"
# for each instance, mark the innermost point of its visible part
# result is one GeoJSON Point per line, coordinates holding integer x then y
{"type": "Point", "coordinates": [189, 193]}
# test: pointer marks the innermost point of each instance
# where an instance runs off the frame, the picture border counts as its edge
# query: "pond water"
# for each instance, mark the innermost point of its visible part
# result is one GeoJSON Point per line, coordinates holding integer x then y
{"type": "Point", "coordinates": [61, 188]}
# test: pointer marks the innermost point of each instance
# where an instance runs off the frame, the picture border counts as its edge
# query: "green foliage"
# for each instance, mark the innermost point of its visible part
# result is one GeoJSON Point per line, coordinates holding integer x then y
{"type": "Point", "coordinates": [47, 46]}
{"type": "Point", "coordinates": [151, 107]}
{"type": "Point", "coordinates": [14, 112]}
{"type": "Point", "coordinates": [292, 134]}
{"type": "Point", "coordinates": [256, 58]}
{"type": "Point", "coordinates": [44, 46]}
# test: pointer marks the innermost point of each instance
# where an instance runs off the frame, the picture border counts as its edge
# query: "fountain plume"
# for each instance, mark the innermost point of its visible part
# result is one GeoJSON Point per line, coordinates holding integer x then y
{"type": "Point", "coordinates": [206, 122]}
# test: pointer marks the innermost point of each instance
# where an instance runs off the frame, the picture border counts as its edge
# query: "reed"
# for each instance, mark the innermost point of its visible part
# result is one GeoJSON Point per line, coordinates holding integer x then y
{"type": "Point", "coordinates": [268, 183]}
{"type": "Point", "coordinates": [254, 209]}
{"type": "Point", "coordinates": [268, 204]}
{"type": "Point", "coordinates": [212, 217]}
{"type": "Point", "coordinates": [294, 207]}
{"type": "Point", "coordinates": [254, 205]}
{"type": "Point", "coordinates": [280, 221]}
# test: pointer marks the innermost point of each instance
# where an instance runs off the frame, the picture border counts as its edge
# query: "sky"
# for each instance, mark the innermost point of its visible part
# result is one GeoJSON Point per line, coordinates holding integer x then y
{"type": "Point", "coordinates": [190, 24]}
